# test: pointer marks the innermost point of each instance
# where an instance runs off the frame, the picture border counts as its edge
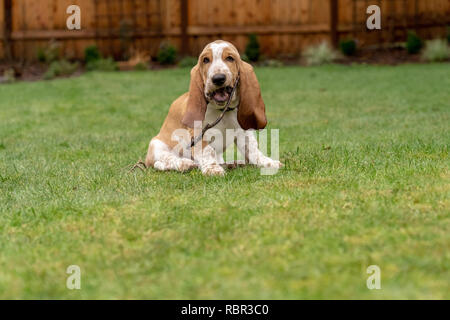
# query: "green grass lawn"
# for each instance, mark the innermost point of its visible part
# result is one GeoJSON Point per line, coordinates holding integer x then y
{"type": "Point", "coordinates": [366, 182]}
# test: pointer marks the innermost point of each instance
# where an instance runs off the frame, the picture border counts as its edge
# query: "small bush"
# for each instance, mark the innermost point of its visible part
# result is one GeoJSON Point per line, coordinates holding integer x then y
{"type": "Point", "coordinates": [252, 50]}
{"type": "Point", "coordinates": [245, 58]}
{"type": "Point", "coordinates": [50, 53]}
{"type": "Point", "coordinates": [9, 76]}
{"type": "Point", "coordinates": [140, 66]}
{"type": "Point", "coordinates": [41, 55]}
{"type": "Point", "coordinates": [167, 54]}
{"type": "Point", "coordinates": [188, 62]}
{"type": "Point", "coordinates": [92, 53]}
{"type": "Point", "coordinates": [60, 68]}
{"type": "Point", "coordinates": [272, 63]}
{"type": "Point", "coordinates": [102, 65]}
{"type": "Point", "coordinates": [348, 47]}
{"type": "Point", "coordinates": [319, 55]}
{"type": "Point", "coordinates": [436, 50]}
{"type": "Point", "coordinates": [49, 74]}
{"type": "Point", "coordinates": [448, 34]}
{"type": "Point", "coordinates": [413, 43]}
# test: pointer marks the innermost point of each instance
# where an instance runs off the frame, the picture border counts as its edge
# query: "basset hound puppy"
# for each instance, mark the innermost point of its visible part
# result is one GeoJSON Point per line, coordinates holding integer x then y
{"type": "Point", "coordinates": [211, 84]}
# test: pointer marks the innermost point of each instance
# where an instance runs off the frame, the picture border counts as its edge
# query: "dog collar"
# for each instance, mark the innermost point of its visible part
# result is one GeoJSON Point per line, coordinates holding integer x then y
{"type": "Point", "coordinates": [227, 109]}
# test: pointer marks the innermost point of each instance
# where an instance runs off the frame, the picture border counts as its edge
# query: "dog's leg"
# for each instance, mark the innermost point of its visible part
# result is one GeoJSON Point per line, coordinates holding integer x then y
{"type": "Point", "coordinates": [161, 158]}
{"type": "Point", "coordinates": [248, 145]}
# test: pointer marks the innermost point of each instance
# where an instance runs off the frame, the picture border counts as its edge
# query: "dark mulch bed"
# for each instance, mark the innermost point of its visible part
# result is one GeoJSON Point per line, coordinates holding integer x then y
{"type": "Point", "coordinates": [381, 56]}
{"type": "Point", "coordinates": [35, 71]}
{"type": "Point", "coordinates": [390, 56]}
{"type": "Point", "coordinates": [30, 71]}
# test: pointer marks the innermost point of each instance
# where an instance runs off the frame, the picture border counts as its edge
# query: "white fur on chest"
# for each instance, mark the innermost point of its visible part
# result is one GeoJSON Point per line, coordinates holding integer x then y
{"type": "Point", "coordinates": [229, 121]}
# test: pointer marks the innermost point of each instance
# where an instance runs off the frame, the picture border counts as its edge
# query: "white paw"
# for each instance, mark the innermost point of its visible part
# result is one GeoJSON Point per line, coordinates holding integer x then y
{"type": "Point", "coordinates": [272, 164]}
{"type": "Point", "coordinates": [213, 170]}
{"type": "Point", "coordinates": [185, 165]}
{"type": "Point", "coordinates": [159, 165]}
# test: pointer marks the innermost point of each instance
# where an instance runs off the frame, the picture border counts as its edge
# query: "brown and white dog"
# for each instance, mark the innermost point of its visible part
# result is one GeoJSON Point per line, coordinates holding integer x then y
{"type": "Point", "coordinates": [212, 80]}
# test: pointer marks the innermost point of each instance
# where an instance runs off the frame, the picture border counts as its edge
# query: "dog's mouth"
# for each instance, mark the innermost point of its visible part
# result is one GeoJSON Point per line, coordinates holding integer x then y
{"type": "Point", "coordinates": [221, 95]}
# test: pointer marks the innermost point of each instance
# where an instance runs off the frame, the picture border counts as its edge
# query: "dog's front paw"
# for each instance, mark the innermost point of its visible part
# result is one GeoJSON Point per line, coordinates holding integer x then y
{"type": "Point", "coordinates": [159, 165]}
{"type": "Point", "coordinates": [185, 165]}
{"type": "Point", "coordinates": [213, 170]}
{"type": "Point", "coordinates": [270, 164]}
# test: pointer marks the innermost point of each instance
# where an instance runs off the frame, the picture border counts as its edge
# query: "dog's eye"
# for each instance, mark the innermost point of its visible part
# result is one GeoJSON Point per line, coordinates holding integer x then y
{"type": "Point", "coordinates": [230, 59]}
{"type": "Point", "coordinates": [206, 60]}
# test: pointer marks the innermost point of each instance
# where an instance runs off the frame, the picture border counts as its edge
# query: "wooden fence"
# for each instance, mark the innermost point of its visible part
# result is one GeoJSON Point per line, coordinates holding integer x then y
{"type": "Point", "coordinates": [284, 27]}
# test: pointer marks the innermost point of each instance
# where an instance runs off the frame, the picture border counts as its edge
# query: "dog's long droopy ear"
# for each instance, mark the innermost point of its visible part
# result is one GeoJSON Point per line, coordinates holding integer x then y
{"type": "Point", "coordinates": [252, 111]}
{"type": "Point", "coordinates": [196, 105]}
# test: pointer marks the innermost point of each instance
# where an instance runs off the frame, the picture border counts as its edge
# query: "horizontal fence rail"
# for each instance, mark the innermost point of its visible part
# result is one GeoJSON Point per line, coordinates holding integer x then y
{"type": "Point", "coordinates": [284, 27]}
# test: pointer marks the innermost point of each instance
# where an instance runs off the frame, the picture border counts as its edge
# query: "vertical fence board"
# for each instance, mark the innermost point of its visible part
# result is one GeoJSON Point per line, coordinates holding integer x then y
{"type": "Point", "coordinates": [2, 29]}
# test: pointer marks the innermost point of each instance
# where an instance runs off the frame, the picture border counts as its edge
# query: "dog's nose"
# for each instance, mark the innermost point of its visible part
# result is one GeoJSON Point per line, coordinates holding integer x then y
{"type": "Point", "coordinates": [219, 79]}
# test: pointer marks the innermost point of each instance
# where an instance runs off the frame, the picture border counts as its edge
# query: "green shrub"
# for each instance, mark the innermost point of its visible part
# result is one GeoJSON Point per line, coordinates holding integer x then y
{"type": "Point", "coordinates": [252, 50]}
{"type": "Point", "coordinates": [348, 47]}
{"type": "Point", "coordinates": [272, 63]}
{"type": "Point", "coordinates": [41, 55]}
{"type": "Point", "coordinates": [49, 74]}
{"type": "Point", "coordinates": [107, 64]}
{"type": "Point", "coordinates": [319, 55]}
{"type": "Point", "coordinates": [413, 43]}
{"type": "Point", "coordinates": [188, 62]}
{"type": "Point", "coordinates": [9, 76]}
{"type": "Point", "coordinates": [245, 58]}
{"type": "Point", "coordinates": [167, 54]}
{"type": "Point", "coordinates": [141, 66]}
{"type": "Point", "coordinates": [448, 34]}
{"type": "Point", "coordinates": [60, 68]}
{"type": "Point", "coordinates": [436, 50]}
{"type": "Point", "coordinates": [92, 53]}
{"type": "Point", "coordinates": [50, 53]}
